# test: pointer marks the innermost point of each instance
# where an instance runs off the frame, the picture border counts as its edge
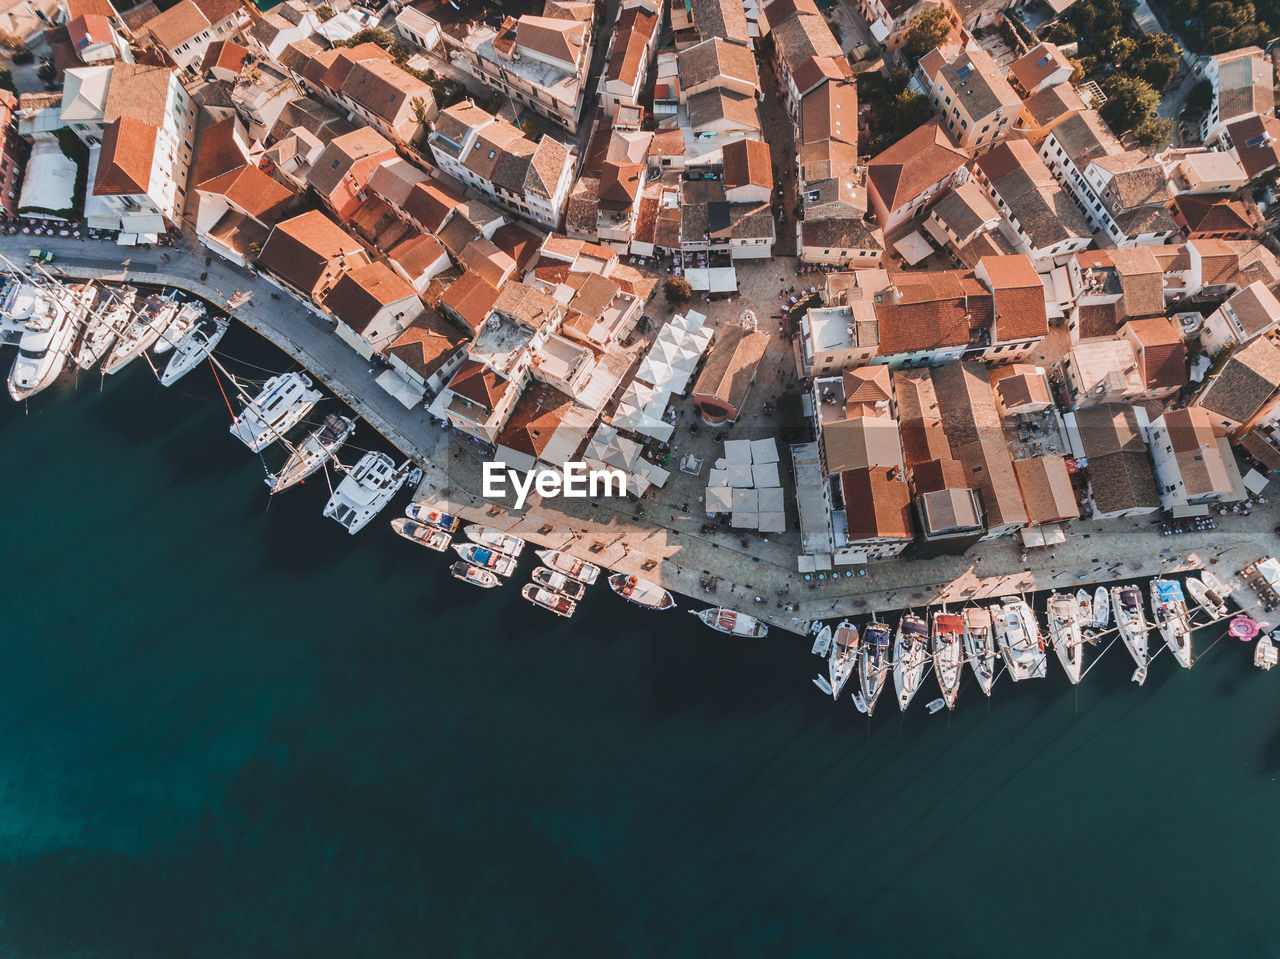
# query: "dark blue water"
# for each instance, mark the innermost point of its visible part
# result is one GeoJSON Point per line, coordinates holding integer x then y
{"type": "Point", "coordinates": [228, 730]}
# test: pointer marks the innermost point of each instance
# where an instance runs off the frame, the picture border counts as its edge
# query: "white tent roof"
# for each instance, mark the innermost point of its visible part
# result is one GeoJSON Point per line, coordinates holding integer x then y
{"type": "Point", "coordinates": [745, 520]}
{"type": "Point", "coordinates": [719, 499]}
{"type": "Point", "coordinates": [656, 474]}
{"type": "Point", "coordinates": [771, 500]}
{"type": "Point", "coordinates": [764, 451]}
{"type": "Point", "coordinates": [722, 279]}
{"type": "Point", "coordinates": [612, 449]}
{"type": "Point", "coordinates": [745, 500]}
{"type": "Point", "coordinates": [765, 475]}
{"type": "Point", "coordinates": [740, 476]}
{"type": "Point", "coordinates": [737, 451]}
{"type": "Point", "coordinates": [50, 181]}
{"type": "Point", "coordinates": [718, 478]}
{"type": "Point", "coordinates": [773, 522]}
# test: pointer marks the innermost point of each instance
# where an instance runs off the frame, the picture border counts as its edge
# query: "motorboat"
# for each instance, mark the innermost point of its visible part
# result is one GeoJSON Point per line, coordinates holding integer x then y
{"type": "Point", "coordinates": [1214, 584]}
{"type": "Point", "coordinates": [49, 333]}
{"type": "Point", "coordinates": [486, 557]}
{"type": "Point", "coordinates": [1063, 611]}
{"type": "Point", "coordinates": [1084, 606]}
{"type": "Point", "coordinates": [559, 583]}
{"type": "Point", "coordinates": [188, 318]}
{"type": "Point", "coordinates": [424, 534]}
{"type": "Point", "coordinates": [278, 408]}
{"type": "Point", "coordinates": [874, 663]}
{"type": "Point", "coordinates": [1018, 638]}
{"type": "Point", "coordinates": [193, 349]}
{"type": "Point", "coordinates": [844, 657]}
{"type": "Point", "coordinates": [495, 539]}
{"type": "Point", "coordinates": [424, 513]}
{"type": "Point", "coordinates": [631, 588]}
{"type": "Point", "coordinates": [948, 654]}
{"type": "Point", "coordinates": [1169, 607]}
{"type": "Point", "coordinates": [821, 640]}
{"type": "Point", "coordinates": [1101, 608]}
{"type": "Point", "coordinates": [732, 622]}
{"type": "Point", "coordinates": [155, 316]}
{"type": "Point", "coordinates": [980, 646]}
{"type": "Point", "coordinates": [1265, 654]}
{"type": "Point", "coordinates": [367, 488]}
{"type": "Point", "coordinates": [474, 575]}
{"type": "Point", "coordinates": [312, 453]}
{"type": "Point", "coordinates": [570, 565]}
{"type": "Point", "coordinates": [1210, 601]}
{"type": "Point", "coordinates": [104, 325]}
{"type": "Point", "coordinates": [549, 599]}
{"type": "Point", "coordinates": [1131, 621]}
{"type": "Point", "coordinates": [910, 657]}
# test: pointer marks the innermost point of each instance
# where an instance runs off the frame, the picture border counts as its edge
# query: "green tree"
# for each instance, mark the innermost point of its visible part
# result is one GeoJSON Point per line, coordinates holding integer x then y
{"type": "Point", "coordinates": [1158, 59]}
{"type": "Point", "coordinates": [1229, 25]}
{"type": "Point", "coordinates": [677, 290]}
{"type": "Point", "coordinates": [1130, 101]}
{"type": "Point", "coordinates": [1154, 132]}
{"type": "Point", "coordinates": [928, 30]}
{"type": "Point", "coordinates": [1122, 49]}
{"type": "Point", "coordinates": [325, 13]}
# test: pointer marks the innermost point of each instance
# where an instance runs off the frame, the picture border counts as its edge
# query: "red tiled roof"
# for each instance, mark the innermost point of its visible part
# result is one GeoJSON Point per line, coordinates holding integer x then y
{"type": "Point", "coordinates": [471, 298]}
{"type": "Point", "coordinates": [876, 506]}
{"type": "Point", "coordinates": [931, 311]}
{"type": "Point", "coordinates": [1163, 359]}
{"type": "Point", "coordinates": [534, 420]}
{"type": "Point", "coordinates": [1018, 298]}
{"type": "Point", "coordinates": [747, 163]}
{"type": "Point", "coordinates": [124, 166]}
{"type": "Point", "coordinates": [480, 384]}
{"type": "Point", "coordinates": [917, 161]}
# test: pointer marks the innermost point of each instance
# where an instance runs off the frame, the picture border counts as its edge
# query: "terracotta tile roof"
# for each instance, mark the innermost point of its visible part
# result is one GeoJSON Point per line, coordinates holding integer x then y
{"type": "Point", "coordinates": [360, 294]}
{"type": "Point", "coordinates": [830, 113]}
{"type": "Point", "coordinates": [1046, 489]}
{"type": "Point", "coordinates": [138, 91]}
{"type": "Point", "coordinates": [224, 54]}
{"type": "Point", "coordinates": [731, 364]}
{"type": "Point", "coordinates": [932, 476]}
{"type": "Point", "coordinates": [619, 184]}
{"type": "Point", "coordinates": [471, 298]}
{"type": "Point", "coordinates": [1122, 481]}
{"type": "Point", "coordinates": [1206, 215]}
{"type": "Point", "coordinates": [480, 384]}
{"type": "Point", "coordinates": [802, 37]}
{"type": "Point", "coordinates": [1021, 387]}
{"type": "Point", "coordinates": [1217, 261]}
{"type": "Point", "coordinates": [534, 420]}
{"type": "Point", "coordinates": [868, 389]}
{"type": "Point", "coordinates": [720, 18]}
{"type": "Point", "coordinates": [1261, 449]}
{"type": "Point", "coordinates": [1195, 447]}
{"type": "Point", "coordinates": [124, 165]}
{"type": "Point", "coordinates": [1018, 298]}
{"type": "Point", "coordinates": [384, 89]}
{"type": "Point", "coordinates": [1141, 281]}
{"type": "Point", "coordinates": [972, 73]}
{"type": "Point", "coordinates": [861, 441]}
{"type": "Point", "coordinates": [417, 254]}
{"type": "Point", "coordinates": [1247, 382]}
{"type": "Point", "coordinates": [561, 39]}
{"type": "Point", "coordinates": [1246, 81]}
{"type": "Point", "coordinates": [817, 71]}
{"type": "Point", "coordinates": [342, 154]}
{"type": "Point", "coordinates": [252, 191]}
{"type": "Point", "coordinates": [177, 25]}
{"type": "Point", "coordinates": [550, 157]}
{"type": "Point", "coordinates": [518, 242]}
{"type": "Point", "coordinates": [1038, 64]}
{"type": "Point", "coordinates": [965, 209]}
{"type": "Point", "coordinates": [456, 234]}
{"type": "Point", "coordinates": [526, 305]}
{"type": "Point", "coordinates": [1110, 428]}
{"type": "Point", "coordinates": [1163, 356]}
{"type": "Point", "coordinates": [877, 504]}
{"type": "Point", "coordinates": [427, 345]}
{"type": "Point", "coordinates": [1052, 103]}
{"type": "Point", "coordinates": [484, 257]}
{"type": "Point", "coordinates": [1257, 143]}
{"type": "Point", "coordinates": [646, 220]}
{"type": "Point", "coordinates": [917, 161]}
{"type": "Point", "coordinates": [300, 250]}
{"type": "Point", "coordinates": [1085, 135]}
{"type": "Point", "coordinates": [932, 310]}
{"type": "Point", "coordinates": [919, 417]}
{"type": "Point", "coordinates": [1045, 211]}
{"type": "Point", "coordinates": [80, 8]}
{"type": "Point", "coordinates": [1255, 308]}
{"type": "Point", "coordinates": [431, 203]}
{"type": "Point", "coordinates": [747, 163]}
{"type": "Point", "coordinates": [711, 106]}
{"type": "Point", "coordinates": [1137, 179]}
{"type": "Point", "coordinates": [634, 30]}
{"type": "Point", "coordinates": [845, 233]}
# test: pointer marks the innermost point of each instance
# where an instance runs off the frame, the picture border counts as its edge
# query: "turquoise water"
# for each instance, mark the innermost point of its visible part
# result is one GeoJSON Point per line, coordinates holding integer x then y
{"type": "Point", "coordinates": [234, 730]}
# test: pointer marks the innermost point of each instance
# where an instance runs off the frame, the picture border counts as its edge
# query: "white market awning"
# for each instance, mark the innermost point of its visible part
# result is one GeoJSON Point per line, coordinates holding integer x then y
{"type": "Point", "coordinates": [737, 451]}
{"type": "Point", "coordinates": [765, 475]}
{"type": "Point", "coordinates": [719, 500]}
{"type": "Point", "coordinates": [914, 248]}
{"type": "Point", "coordinates": [408, 394]}
{"type": "Point", "coordinates": [740, 476]}
{"type": "Point", "coordinates": [764, 451]}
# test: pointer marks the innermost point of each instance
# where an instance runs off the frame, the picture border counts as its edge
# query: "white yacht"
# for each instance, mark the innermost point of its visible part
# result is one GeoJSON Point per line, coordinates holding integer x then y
{"type": "Point", "coordinates": [495, 539]}
{"type": "Point", "coordinates": [104, 325]}
{"type": "Point", "coordinates": [313, 452]}
{"type": "Point", "coordinates": [1131, 621]}
{"type": "Point", "coordinates": [189, 316]}
{"type": "Point", "coordinates": [193, 348]}
{"type": "Point", "coordinates": [980, 646]}
{"type": "Point", "coordinates": [51, 327]}
{"type": "Point", "coordinates": [910, 657]}
{"type": "Point", "coordinates": [486, 558]}
{"type": "Point", "coordinates": [1064, 632]}
{"type": "Point", "coordinates": [282, 403]}
{"type": "Point", "coordinates": [948, 654]}
{"type": "Point", "coordinates": [821, 640]}
{"type": "Point", "coordinates": [425, 513]}
{"type": "Point", "coordinates": [873, 663]}
{"type": "Point", "coordinates": [1170, 609]}
{"type": "Point", "coordinates": [152, 319]}
{"type": "Point", "coordinates": [367, 488]}
{"type": "Point", "coordinates": [424, 534]}
{"type": "Point", "coordinates": [1019, 639]}
{"type": "Point", "coordinates": [570, 565]}
{"type": "Point", "coordinates": [844, 657]}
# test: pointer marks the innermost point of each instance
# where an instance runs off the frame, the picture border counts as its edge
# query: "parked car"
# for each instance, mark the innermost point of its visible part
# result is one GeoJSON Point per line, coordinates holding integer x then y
{"type": "Point", "coordinates": [41, 256]}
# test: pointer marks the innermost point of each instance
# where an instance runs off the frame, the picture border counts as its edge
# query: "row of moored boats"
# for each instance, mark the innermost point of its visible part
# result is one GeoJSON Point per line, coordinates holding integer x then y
{"type": "Point", "coordinates": [1006, 637]}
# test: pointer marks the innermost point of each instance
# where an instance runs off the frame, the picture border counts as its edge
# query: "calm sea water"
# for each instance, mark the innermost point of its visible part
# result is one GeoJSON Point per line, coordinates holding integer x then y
{"type": "Point", "coordinates": [228, 730]}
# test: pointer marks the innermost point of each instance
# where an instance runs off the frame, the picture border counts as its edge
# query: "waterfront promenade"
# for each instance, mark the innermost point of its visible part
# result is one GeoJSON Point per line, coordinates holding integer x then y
{"type": "Point", "coordinates": [658, 544]}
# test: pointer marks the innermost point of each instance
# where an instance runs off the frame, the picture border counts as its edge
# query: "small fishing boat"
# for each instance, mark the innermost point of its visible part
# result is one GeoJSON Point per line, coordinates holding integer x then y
{"type": "Point", "coordinates": [559, 582]}
{"type": "Point", "coordinates": [1084, 606]}
{"type": "Point", "coordinates": [1169, 608]}
{"type": "Point", "coordinates": [488, 558]}
{"type": "Point", "coordinates": [1064, 632]}
{"type": "Point", "coordinates": [873, 663]}
{"type": "Point", "coordinates": [1209, 601]}
{"type": "Point", "coordinates": [948, 654]}
{"type": "Point", "coordinates": [193, 349]}
{"type": "Point", "coordinates": [732, 622]}
{"type": "Point", "coordinates": [1215, 584]}
{"type": "Point", "coordinates": [822, 641]}
{"type": "Point", "coordinates": [188, 318]}
{"type": "Point", "coordinates": [844, 657]}
{"type": "Point", "coordinates": [1265, 654]}
{"type": "Point", "coordinates": [313, 452]}
{"type": "Point", "coordinates": [474, 575]}
{"type": "Point", "coordinates": [631, 588]}
{"type": "Point", "coordinates": [495, 539]}
{"type": "Point", "coordinates": [1131, 621]}
{"type": "Point", "coordinates": [102, 327]}
{"type": "Point", "coordinates": [424, 534]}
{"type": "Point", "coordinates": [152, 319]}
{"type": "Point", "coordinates": [980, 646]}
{"type": "Point", "coordinates": [282, 403]}
{"type": "Point", "coordinates": [1019, 639]}
{"type": "Point", "coordinates": [910, 657]}
{"type": "Point", "coordinates": [1101, 608]}
{"type": "Point", "coordinates": [549, 599]}
{"type": "Point", "coordinates": [424, 513]}
{"type": "Point", "coordinates": [367, 488]}
{"type": "Point", "coordinates": [570, 565]}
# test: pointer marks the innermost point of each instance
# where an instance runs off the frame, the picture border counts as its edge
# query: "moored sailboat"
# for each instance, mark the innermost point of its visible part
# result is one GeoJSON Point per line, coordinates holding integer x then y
{"type": "Point", "coordinates": [189, 316]}
{"type": "Point", "coordinates": [844, 657]}
{"type": "Point", "coordinates": [313, 452]}
{"type": "Point", "coordinates": [631, 588]}
{"type": "Point", "coordinates": [367, 488]}
{"type": "Point", "coordinates": [104, 325]}
{"type": "Point", "coordinates": [980, 646]}
{"type": "Point", "coordinates": [1019, 639]}
{"type": "Point", "coordinates": [1131, 621]}
{"type": "Point", "coordinates": [281, 404]}
{"type": "Point", "coordinates": [874, 664]}
{"type": "Point", "coordinates": [948, 654]}
{"type": "Point", "coordinates": [1064, 632]}
{"type": "Point", "coordinates": [1169, 607]}
{"type": "Point", "coordinates": [152, 319]}
{"type": "Point", "coordinates": [193, 349]}
{"type": "Point", "coordinates": [910, 657]}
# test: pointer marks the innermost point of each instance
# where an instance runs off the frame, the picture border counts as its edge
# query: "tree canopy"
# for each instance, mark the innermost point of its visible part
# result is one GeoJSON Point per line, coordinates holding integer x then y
{"type": "Point", "coordinates": [677, 290]}
{"type": "Point", "coordinates": [927, 30]}
{"type": "Point", "coordinates": [1130, 102]}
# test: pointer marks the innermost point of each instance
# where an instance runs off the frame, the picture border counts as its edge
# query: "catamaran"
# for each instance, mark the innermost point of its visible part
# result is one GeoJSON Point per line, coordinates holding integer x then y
{"type": "Point", "coordinates": [283, 402]}
{"type": "Point", "coordinates": [580, 569]}
{"type": "Point", "coordinates": [474, 575]}
{"type": "Point", "coordinates": [732, 622]}
{"type": "Point", "coordinates": [559, 583]}
{"type": "Point", "coordinates": [104, 325]}
{"type": "Point", "coordinates": [980, 646]}
{"type": "Point", "coordinates": [495, 539]}
{"type": "Point", "coordinates": [1170, 609]}
{"type": "Point", "coordinates": [154, 317]}
{"type": "Point", "coordinates": [313, 452]}
{"type": "Point", "coordinates": [189, 315]}
{"type": "Point", "coordinates": [429, 514]}
{"type": "Point", "coordinates": [1131, 621]}
{"type": "Point", "coordinates": [873, 663]}
{"type": "Point", "coordinates": [1064, 632]}
{"type": "Point", "coordinates": [193, 348]}
{"type": "Point", "coordinates": [486, 557]}
{"type": "Point", "coordinates": [631, 588]}
{"type": "Point", "coordinates": [549, 599]}
{"type": "Point", "coordinates": [424, 534]}
{"type": "Point", "coordinates": [948, 654]}
{"type": "Point", "coordinates": [910, 657]}
{"type": "Point", "coordinates": [844, 657]}
{"type": "Point", "coordinates": [1019, 639]}
{"type": "Point", "coordinates": [1208, 599]}
{"type": "Point", "coordinates": [369, 487]}
{"type": "Point", "coordinates": [51, 327]}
